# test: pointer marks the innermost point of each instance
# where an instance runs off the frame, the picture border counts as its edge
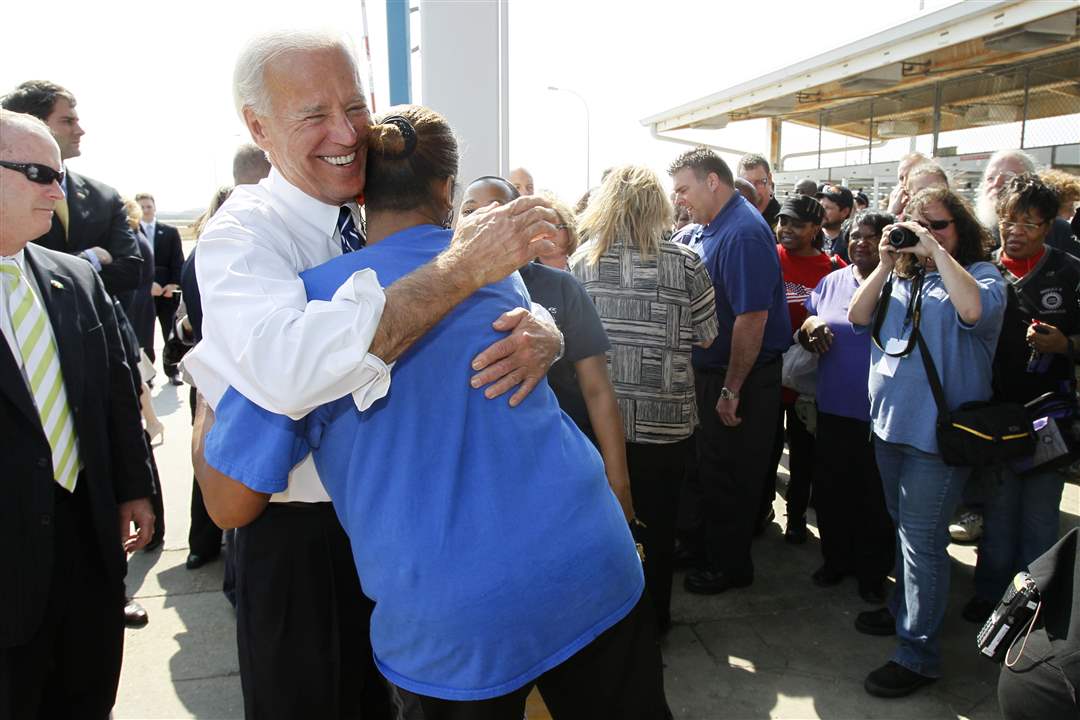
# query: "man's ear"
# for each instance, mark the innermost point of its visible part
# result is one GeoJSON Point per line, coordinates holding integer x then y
{"type": "Point", "coordinates": [255, 127]}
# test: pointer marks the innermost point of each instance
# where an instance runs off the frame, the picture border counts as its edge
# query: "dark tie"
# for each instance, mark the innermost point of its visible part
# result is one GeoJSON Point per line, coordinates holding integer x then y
{"type": "Point", "coordinates": [350, 238]}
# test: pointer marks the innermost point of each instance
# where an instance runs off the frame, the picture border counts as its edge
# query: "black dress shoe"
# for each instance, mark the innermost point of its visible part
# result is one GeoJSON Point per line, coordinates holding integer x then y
{"type": "Point", "coordinates": [175, 380]}
{"type": "Point", "coordinates": [872, 591]}
{"type": "Point", "coordinates": [978, 611]}
{"type": "Point", "coordinates": [878, 622]}
{"type": "Point", "coordinates": [195, 560]}
{"type": "Point", "coordinates": [712, 582]}
{"type": "Point", "coordinates": [155, 543]}
{"type": "Point", "coordinates": [135, 614]}
{"type": "Point", "coordinates": [893, 681]}
{"type": "Point", "coordinates": [825, 576]}
{"type": "Point", "coordinates": [796, 532]}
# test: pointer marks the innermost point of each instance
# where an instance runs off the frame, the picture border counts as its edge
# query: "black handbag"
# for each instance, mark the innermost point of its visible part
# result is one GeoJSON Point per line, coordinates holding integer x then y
{"type": "Point", "coordinates": [977, 433]}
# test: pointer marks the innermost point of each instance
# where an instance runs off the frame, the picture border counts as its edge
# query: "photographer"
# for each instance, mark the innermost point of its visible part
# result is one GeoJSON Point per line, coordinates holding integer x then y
{"type": "Point", "coordinates": [1035, 355]}
{"type": "Point", "coordinates": [856, 532]}
{"type": "Point", "coordinates": [940, 266]}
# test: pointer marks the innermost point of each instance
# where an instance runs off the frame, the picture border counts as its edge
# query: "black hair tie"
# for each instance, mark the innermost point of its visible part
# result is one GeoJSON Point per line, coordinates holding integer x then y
{"type": "Point", "coordinates": [408, 132]}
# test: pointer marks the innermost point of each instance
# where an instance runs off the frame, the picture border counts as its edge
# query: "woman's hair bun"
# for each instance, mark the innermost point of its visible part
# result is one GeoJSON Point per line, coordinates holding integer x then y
{"type": "Point", "coordinates": [394, 137]}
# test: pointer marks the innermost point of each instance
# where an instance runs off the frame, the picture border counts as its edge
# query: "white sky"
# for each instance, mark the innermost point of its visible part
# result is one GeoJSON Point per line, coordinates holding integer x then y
{"type": "Point", "coordinates": [152, 80]}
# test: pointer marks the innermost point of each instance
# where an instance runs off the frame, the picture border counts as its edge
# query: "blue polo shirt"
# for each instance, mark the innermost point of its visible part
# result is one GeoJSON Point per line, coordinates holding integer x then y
{"type": "Point", "coordinates": [486, 535]}
{"type": "Point", "coordinates": [739, 251]}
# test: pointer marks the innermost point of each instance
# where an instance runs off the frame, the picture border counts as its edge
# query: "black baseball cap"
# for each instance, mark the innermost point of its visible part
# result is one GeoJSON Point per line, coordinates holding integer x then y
{"type": "Point", "coordinates": [804, 208]}
{"type": "Point", "coordinates": [861, 197]}
{"type": "Point", "coordinates": [838, 194]}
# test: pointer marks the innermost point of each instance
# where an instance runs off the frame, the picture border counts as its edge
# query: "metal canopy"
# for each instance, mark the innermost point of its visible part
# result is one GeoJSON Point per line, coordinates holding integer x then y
{"type": "Point", "coordinates": [969, 65]}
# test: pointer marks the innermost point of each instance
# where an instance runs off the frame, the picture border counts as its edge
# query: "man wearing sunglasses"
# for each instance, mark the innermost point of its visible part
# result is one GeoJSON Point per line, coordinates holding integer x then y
{"type": "Point", "coordinates": [75, 464]}
{"type": "Point", "coordinates": [89, 218]}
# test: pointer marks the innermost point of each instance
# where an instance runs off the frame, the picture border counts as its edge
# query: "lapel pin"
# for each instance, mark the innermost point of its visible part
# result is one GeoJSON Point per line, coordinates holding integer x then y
{"type": "Point", "coordinates": [57, 284]}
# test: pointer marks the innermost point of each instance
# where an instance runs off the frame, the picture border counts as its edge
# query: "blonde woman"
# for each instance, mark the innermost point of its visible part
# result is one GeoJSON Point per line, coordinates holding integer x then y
{"type": "Point", "coordinates": [567, 241]}
{"type": "Point", "coordinates": [656, 302]}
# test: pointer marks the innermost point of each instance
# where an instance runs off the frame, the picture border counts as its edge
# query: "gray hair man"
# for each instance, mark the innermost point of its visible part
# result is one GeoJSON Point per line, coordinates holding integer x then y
{"type": "Point", "coordinates": [755, 169]}
{"type": "Point", "coordinates": [300, 96]}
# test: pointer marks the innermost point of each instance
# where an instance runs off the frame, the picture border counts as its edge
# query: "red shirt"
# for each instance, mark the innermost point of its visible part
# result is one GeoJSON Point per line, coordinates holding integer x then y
{"type": "Point", "coordinates": [1020, 268]}
{"type": "Point", "coordinates": [801, 276]}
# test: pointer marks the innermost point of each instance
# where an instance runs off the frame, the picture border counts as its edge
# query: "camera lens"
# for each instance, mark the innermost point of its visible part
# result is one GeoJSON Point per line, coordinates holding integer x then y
{"type": "Point", "coordinates": [901, 237]}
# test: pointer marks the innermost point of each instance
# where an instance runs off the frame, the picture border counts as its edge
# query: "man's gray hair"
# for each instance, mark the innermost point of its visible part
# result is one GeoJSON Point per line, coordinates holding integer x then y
{"type": "Point", "coordinates": [249, 86]}
{"type": "Point", "coordinates": [14, 124]}
{"type": "Point", "coordinates": [1026, 160]}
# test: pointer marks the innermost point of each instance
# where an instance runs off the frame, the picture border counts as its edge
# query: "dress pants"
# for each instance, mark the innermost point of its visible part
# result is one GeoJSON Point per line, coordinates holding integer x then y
{"type": "Point", "coordinates": [157, 501]}
{"type": "Point", "coordinates": [731, 463]}
{"type": "Point", "coordinates": [800, 465]}
{"type": "Point", "coordinates": [618, 675]}
{"type": "Point", "coordinates": [165, 309]}
{"type": "Point", "coordinates": [856, 530]}
{"type": "Point", "coordinates": [656, 476]}
{"type": "Point", "coordinates": [302, 620]}
{"type": "Point", "coordinates": [204, 537]}
{"type": "Point", "coordinates": [71, 667]}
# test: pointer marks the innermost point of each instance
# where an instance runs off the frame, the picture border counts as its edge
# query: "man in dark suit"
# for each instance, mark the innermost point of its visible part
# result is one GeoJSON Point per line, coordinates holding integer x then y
{"type": "Point", "coordinates": [75, 463]}
{"type": "Point", "coordinates": [168, 261]}
{"type": "Point", "coordinates": [89, 220]}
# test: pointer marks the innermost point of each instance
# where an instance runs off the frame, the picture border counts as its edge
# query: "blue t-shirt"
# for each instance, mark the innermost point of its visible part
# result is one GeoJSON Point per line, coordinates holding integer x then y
{"type": "Point", "coordinates": [902, 406]}
{"type": "Point", "coordinates": [843, 370]}
{"type": "Point", "coordinates": [739, 251]}
{"type": "Point", "coordinates": [486, 535]}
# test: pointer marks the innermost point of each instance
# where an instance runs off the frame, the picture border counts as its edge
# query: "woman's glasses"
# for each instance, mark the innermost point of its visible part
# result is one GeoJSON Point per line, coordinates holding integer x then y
{"type": "Point", "coordinates": [1029, 228]}
{"type": "Point", "coordinates": [935, 224]}
{"type": "Point", "coordinates": [36, 172]}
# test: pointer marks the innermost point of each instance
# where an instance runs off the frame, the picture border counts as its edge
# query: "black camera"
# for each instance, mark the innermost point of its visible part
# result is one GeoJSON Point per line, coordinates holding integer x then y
{"type": "Point", "coordinates": [901, 237]}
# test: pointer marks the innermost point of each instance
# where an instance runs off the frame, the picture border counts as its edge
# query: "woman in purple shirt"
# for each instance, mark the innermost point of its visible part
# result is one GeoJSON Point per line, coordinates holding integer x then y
{"type": "Point", "coordinates": [856, 531]}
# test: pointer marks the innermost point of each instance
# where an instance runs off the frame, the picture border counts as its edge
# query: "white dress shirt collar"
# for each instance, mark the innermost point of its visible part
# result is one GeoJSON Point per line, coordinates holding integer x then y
{"type": "Point", "coordinates": [303, 210]}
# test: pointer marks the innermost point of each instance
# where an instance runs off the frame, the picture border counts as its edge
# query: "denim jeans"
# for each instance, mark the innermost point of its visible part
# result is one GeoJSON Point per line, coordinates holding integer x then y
{"type": "Point", "coordinates": [1020, 523]}
{"type": "Point", "coordinates": [921, 493]}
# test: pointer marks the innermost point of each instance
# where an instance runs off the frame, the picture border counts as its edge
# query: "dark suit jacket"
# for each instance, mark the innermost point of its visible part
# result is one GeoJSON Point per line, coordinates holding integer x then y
{"type": "Point", "coordinates": [189, 285]}
{"type": "Point", "coordinates": [168, 254]}
{"type": "Point", "coordinates": [97, 219]}
{"type": "Point", "coordinates": [115, 458]}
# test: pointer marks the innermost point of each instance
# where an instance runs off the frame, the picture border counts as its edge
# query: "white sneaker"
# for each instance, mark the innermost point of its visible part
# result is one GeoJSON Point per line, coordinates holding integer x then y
{"type": "Point", "coordinates": [967, 528]}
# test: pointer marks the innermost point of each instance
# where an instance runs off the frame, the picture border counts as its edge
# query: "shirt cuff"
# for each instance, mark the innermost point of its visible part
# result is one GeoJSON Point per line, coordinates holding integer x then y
{"type": "Point", "coordinates": [92, 259]}
{"type": "Point", "coordinates": [541, 313]}
{"type": "Point", "coordinates": [374, 388]}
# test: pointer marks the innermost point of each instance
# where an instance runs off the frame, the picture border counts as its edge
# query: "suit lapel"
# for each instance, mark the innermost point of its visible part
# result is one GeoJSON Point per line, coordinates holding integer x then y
{"type": "Point", "coordinates": [13, 384]}
{"type": "Point", "coordinates": [78, 209]}
{"type": "Point", "coordinates": [57, 292]}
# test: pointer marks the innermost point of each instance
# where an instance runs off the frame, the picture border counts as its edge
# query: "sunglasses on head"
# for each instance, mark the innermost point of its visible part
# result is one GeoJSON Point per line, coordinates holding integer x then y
{"type": "Point", "coordinates": [36, 172]}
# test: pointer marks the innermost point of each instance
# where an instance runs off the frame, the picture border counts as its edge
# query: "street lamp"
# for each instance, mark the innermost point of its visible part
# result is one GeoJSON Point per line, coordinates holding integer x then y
{"type": "Point", "coordinates": [587, 133]}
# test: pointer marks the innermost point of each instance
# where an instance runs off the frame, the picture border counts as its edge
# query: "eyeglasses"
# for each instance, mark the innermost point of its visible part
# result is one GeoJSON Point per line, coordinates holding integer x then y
{"type": "Point", "coordinates": [36, 172]}
{"type": "Point", "coordinates": [1007, 226]}
{"type": "Point", "coordinates": [936, 224]}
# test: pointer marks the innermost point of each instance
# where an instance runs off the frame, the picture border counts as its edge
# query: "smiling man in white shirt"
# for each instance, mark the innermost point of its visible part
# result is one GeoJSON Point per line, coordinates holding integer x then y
{"type": "Point", "coordinates": [302, 649]}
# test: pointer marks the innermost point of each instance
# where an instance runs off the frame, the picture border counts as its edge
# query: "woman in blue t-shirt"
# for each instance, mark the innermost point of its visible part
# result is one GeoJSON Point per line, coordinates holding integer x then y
{"type": "Point", "coordinates": [962, 302]}
{"type": "Point", "coordinates": [487, 536]}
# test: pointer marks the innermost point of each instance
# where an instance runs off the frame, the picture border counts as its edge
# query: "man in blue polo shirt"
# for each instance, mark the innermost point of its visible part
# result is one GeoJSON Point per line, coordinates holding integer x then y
{"type": "Point", "coordinates": [737, 378]}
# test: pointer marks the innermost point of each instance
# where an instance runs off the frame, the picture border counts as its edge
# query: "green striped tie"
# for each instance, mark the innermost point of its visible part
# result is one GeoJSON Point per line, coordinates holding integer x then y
{"type": "Point", "coordinates": [42, 365]}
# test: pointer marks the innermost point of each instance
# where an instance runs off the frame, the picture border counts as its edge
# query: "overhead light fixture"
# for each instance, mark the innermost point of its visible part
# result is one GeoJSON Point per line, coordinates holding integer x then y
{"type": "Point", "coordinates": [982, 115]}
{"type": "Point", "coordinates": [1054, 30]}
{"type": "Point", "coordinates": [890, 129]}
{"type": "Point", "coordinates": [876, 79]}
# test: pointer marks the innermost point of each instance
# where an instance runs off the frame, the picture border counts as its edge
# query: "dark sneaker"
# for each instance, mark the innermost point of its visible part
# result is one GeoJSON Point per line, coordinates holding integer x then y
{"type": "Point", "coordinates": [796, 531]}
{"type": "Point", "coordinates": [878, 622]}
{"type": "Point", "coordinates": [978, 611]}
{"type": "Point", "coordinates": [713, 582]}
{"type": "Point", "coordinates": [893, 681]}
{"type": "Point", "coordinates": [825, 576]}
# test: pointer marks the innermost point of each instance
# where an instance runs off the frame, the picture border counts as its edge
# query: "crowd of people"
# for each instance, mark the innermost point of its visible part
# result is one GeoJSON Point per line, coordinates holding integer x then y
{"type": "Point", "coordinates": [615, 385]}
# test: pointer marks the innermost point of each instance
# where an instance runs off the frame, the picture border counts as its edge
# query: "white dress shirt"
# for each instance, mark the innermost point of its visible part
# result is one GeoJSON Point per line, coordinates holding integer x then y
{"type": "Point", "coordinates": [260, 333]}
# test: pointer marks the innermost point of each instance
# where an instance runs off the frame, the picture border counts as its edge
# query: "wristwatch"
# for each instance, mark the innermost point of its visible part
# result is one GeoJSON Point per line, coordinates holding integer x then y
{"type": "Point", "coordinates": [726, 394]}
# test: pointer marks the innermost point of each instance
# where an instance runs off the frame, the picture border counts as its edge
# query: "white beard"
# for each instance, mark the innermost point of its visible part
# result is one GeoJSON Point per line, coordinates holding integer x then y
{"type": "Point", "coordinates": [986, 208]}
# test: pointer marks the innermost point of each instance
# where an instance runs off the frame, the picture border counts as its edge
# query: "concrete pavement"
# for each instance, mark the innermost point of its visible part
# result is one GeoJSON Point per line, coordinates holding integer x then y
{"type": "Point", "coordinates": [782, 648]}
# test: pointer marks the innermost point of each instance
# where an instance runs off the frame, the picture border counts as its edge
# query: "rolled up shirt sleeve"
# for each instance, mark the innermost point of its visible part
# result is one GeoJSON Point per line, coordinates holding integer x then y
{"type": "Point", "coordinates": [262, 336]}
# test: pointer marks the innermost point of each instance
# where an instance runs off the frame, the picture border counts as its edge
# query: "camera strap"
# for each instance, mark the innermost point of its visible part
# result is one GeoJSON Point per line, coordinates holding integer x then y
{"type": "Point", "coordinates": [1030, 627]}
{"type": "Point", "coordinates": [914, 314]}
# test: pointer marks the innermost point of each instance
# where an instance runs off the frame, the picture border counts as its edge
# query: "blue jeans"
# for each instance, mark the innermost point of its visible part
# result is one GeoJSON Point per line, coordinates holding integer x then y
{"type": "Point", "coordinates": [1020, 523]}
{"type": "Point", "coordinates": [921, 493]}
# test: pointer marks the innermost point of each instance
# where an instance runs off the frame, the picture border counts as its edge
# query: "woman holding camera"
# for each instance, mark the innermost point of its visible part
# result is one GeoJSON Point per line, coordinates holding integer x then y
{"type": "Point", "coordinates": [1035, 355]}
{"type": "Point", "coordinates": [936, 258]}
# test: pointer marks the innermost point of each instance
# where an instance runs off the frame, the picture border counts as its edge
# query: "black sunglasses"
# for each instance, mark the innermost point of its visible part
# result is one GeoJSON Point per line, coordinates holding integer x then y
{"type": "Point", "coordinates": [936, 224]}
{"type": "Point", "coordinates": [36, 172]}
